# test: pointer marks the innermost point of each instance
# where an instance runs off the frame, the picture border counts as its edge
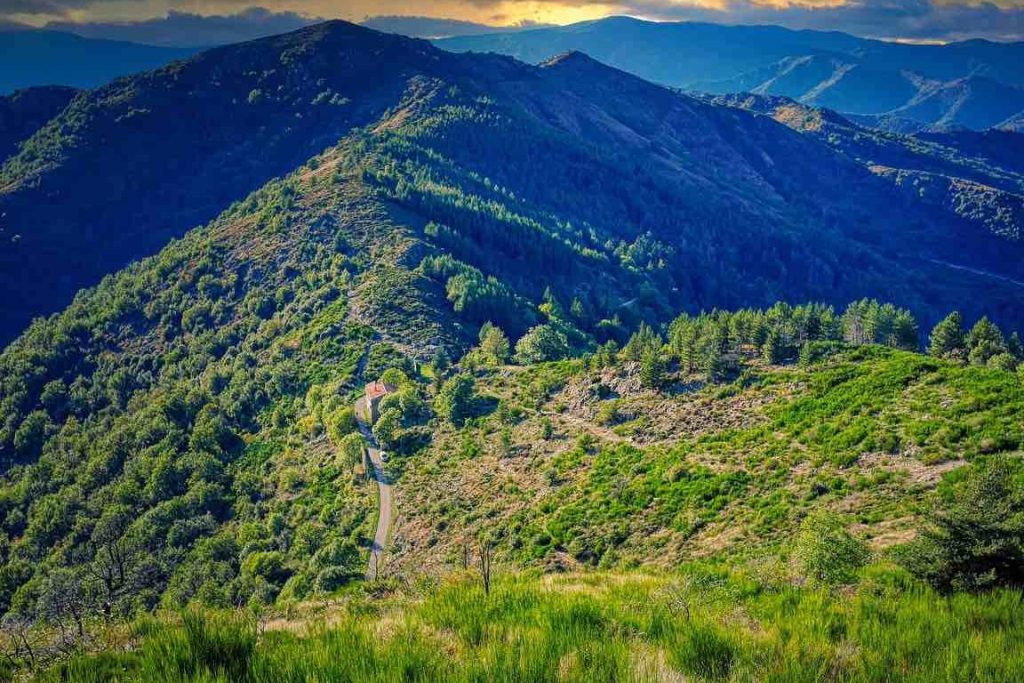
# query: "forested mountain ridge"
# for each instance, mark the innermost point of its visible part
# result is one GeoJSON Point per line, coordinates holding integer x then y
{"type": "Point", "coordinates": [975, 84]}
{"type": "Point", "coordinates": [975, 175]}
{"type": "Point", "coordinates": [689, 184]}
{"type": "Point", "coordinates": [218, 125]}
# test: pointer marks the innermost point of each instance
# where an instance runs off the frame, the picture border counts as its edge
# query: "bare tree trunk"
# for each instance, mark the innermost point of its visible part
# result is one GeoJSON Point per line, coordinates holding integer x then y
{"type": "Point", "coordinates": [486, 559]}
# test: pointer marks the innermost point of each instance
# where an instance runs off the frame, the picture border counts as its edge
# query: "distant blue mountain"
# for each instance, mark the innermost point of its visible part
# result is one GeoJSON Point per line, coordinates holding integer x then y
{"type": "Point", "coordinates": [973, 84]}
{"type": "Point", "coordinates": [38, 57]}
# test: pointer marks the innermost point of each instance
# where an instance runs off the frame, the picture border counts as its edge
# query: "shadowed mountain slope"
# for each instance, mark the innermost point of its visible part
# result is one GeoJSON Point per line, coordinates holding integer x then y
{"type": "Point", "coordinates": [24, 112]}
{"type": "Point", "coordinates": [976, 176]}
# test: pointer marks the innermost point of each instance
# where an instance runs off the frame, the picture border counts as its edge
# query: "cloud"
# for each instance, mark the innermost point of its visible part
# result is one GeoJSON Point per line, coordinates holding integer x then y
{"type": "Point", "coordinates": [201, 25]}
{"type": "Point", "coordinates": [430, 27]}
{"type": "Point", "coordinates": [183, 29]}
{"type": "Point", "coordinates": [40, 7]}
{"type": "Point", "coordinates": [896, 19]}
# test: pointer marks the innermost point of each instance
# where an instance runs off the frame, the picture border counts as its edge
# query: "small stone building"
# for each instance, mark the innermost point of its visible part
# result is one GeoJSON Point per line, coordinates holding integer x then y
{"type": "Point", "coordinates": [375, 393]}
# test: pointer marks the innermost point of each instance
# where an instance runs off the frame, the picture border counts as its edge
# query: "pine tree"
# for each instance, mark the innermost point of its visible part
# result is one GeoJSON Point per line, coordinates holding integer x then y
{"type": "Point", "coordinates": [773, 350]}
{"type": "Point", "coordinates": [1015, 347]}
{"type": "Point", "coordinates": [494, 344]}
{"type": "Point", "coordinates": [903, 334]}
{"type": "Point", "coordinates": [947, 338]}
{"type": "Point", "coordinates": [984, 341]}
{"type": "Point", "coordinates": [712, 362]}
{"type": "Point", "coordinates": [652, 369]}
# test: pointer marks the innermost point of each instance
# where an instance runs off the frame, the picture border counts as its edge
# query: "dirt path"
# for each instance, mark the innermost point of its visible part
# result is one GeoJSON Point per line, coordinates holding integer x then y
{"type": "Point", "coordinates": [384, 487]}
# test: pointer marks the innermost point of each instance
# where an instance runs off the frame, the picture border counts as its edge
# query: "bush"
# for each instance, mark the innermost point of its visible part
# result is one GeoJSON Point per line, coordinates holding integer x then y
{"type": "Point", "coordinates": [825, 552]}
{"type": "Point", "coordinates": [455, 400]}
{"type": "Point", "coordinates": [267, 565]}
{"type": "Point", "coordinates": [331, 579]}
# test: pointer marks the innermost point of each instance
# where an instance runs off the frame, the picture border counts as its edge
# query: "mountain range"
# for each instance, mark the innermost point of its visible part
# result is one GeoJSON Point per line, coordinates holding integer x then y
{"type": "Point", "coordinates": [973, 84]}
{"type": "Point", "coordinates": [716, 199]}
{"type": "Point", "coordinates": [570, 296]}
{"type": "Point", "coordinates": [40, 58]}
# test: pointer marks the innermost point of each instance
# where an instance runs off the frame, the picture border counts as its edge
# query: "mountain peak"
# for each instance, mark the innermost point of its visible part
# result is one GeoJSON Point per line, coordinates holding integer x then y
{"type": "Point", "coordinates": [569, 58]}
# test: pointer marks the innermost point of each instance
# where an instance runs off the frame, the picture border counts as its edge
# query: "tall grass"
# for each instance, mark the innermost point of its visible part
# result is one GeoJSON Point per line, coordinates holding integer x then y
{"type": "Point", "coordinates": [595, 627]}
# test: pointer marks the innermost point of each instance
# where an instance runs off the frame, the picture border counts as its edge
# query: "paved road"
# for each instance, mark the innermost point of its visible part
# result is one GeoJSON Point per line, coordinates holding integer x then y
{"type": "Point", "coordinates": [384, 486]}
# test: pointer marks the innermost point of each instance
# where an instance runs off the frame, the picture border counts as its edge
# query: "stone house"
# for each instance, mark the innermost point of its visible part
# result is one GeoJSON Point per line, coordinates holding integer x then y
{"type": "Point", "coordinates": [375, 393]}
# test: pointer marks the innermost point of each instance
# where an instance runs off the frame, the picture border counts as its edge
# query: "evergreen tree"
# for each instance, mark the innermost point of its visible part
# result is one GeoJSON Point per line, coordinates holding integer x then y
{"type": "Point", "coordinates": [903, 334]}
{"type": "Point", "coordinates": [712, 362]}
{"type": "Point", "coordinates": [1015, 347]}
{"type": "Point", "coordinates": [542, 343]}
{"type": "Point", "coordinates": [454, 402]}
{"type": "Point", "coordinates": [641, 342]}
{"type": "Point", "coordinates": [984, 341]}
{"type": "Point", "coordinates": [652, 369]}
{"type": "Point", "coordinates": [494, 344]}
{"type": "Point", "coordinates": [440, 362]}
{"type": "Point", "coordinates": [774, 349]}
{"type": "Point", "coordinates": [976, 540]}
{"type": "Point", "coordinates": [947, 339]}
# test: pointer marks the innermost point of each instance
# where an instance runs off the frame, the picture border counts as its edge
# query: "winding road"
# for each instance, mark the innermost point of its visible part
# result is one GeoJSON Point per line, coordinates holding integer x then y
{"type": "Point", "coordinates": [384, 486]}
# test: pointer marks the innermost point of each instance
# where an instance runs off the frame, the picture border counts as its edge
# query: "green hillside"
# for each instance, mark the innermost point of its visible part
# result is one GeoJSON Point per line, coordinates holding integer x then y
{"type": "Point", "coordinates": [583, 468]}
{"type": "Point", "coordinates": [521, 256]}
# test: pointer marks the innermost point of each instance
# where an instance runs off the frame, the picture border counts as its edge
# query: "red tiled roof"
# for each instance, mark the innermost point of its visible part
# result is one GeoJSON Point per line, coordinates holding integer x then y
{"type": "Point", "coordinates": [377, 389]}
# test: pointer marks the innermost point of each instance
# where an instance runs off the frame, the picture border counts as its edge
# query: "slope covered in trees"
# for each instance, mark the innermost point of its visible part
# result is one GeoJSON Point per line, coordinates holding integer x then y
{"type": "Point", "coordinates": [712, 199]}
{"type": "Point", "coordinates": [24, 112]}
{"type": "Point", "coordinates": [976, 176]}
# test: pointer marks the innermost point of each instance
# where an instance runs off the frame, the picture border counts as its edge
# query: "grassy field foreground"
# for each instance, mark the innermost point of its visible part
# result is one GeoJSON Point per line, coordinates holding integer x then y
{"type": "Point", "coordinates": [700, 624]}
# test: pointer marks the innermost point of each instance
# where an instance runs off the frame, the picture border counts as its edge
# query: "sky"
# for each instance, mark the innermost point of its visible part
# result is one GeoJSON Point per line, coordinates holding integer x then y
{"type": "Point", "coordinates": [910, 20]}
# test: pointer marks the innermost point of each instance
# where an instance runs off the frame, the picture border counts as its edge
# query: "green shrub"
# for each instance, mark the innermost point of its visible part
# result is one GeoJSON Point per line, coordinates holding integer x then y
{"type": "Point", "coordinates": [825, 552]}
{"type": "Point", "coordinates": [976, 538]}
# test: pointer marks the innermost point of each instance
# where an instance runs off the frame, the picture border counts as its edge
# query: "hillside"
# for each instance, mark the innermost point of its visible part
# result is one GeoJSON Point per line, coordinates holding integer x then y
{"type": "Point", "coordinates": [519, 252]}
{"type": "Point", "coordinates": [24, 112]}
{"type": "Point", "coordinates": [43, 58]}
{"type": "Point", "coordinates": [701, 623]}
{"type": "Point", "coordinates": [976, 176]}
{"type": "Point", "coordinates": [975, 84]}
{"type": "Point", "coordinates": [701, 201]}
{"type": "Point", "coordinates": [588, 467]}
{"type": "Point", "coordinates": [189, 414]}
